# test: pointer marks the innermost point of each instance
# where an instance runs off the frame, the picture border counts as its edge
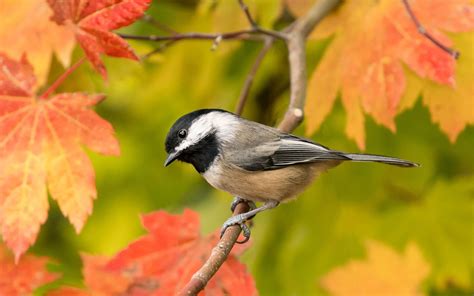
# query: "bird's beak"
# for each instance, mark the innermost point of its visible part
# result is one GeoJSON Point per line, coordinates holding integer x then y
{"type": "Point", "coordinates": [172, 156]}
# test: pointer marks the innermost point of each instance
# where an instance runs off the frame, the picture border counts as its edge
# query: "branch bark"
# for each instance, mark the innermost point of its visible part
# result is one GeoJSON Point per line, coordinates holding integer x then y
{"type": "Point", "coordinates": [248, 34]}
{"type": "Point", "coordinates": [242, 34]}
{"type": "Point", "coordinates": [295, 36]}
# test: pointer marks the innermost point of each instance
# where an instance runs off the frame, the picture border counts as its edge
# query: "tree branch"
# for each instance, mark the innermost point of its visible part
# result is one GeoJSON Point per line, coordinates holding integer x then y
{"type": "Point", "coordinates": [242, 34]}
{"type": "Point", "coordinates": [295, 37]}
{"type": "Point", "coordinates": [298, 32]}
{"type": "Point", "coordinates": [256, 27]}
{"type": "Point", "coordinates": [248, 34]}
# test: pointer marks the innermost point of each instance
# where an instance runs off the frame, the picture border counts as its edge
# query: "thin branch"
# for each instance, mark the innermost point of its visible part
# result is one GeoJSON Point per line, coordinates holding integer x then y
{"type": "Point", "coordinates": [256, 27]}
{"type": "Point", "coordinates": [218, 256]}
{"type": "Point", "coordinates": [246, 10]}
{"type": "Point", "coordinates": [242, 34]}
{"type": "Point", "coordinates": [251, 75]}
{"type": "Point", "coordinates": [421, 29]}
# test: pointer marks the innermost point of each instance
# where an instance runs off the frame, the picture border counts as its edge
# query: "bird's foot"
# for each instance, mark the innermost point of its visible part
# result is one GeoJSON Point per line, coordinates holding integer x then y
{"type": "Point", "coordinates": [240, 221]}
{"type": "Point", "coordinates": [238, 200]}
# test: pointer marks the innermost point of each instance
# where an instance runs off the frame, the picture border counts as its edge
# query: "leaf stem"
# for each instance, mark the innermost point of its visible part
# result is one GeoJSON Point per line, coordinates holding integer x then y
{"type": "Point", "coordinates": [61, 78]}
{"type": "Point", "coordinates": [422, 30]}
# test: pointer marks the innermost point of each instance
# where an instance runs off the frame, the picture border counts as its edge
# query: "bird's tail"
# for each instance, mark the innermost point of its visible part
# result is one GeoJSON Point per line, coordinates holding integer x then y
{"type": "Point", "coordinates": [380, 158]}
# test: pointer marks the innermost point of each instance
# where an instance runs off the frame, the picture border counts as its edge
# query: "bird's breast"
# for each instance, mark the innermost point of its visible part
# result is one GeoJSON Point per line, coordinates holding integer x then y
{"type": "Point", "coordinates": [281, 184]}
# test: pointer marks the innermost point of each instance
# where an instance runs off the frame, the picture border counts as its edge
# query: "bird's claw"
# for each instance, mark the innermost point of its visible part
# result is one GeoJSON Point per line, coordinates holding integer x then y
{"type": "Point", "coordinates": [238, 200]}
{"type": "Point", "coordinates": [237, 220]}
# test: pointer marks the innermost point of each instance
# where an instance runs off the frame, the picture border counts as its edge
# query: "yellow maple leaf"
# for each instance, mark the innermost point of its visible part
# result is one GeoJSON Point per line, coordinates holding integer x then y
{"type": "Point", "coordinates": [384, 272]}
{"type": "Point", "coordinates": [26, 27]}
{"type": "Point", "coordinates": [453, 108]}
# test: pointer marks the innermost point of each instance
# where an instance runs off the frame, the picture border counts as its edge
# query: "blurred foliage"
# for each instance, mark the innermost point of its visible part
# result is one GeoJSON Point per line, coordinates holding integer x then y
{"type": "Point", "coordinates": [297, 244]}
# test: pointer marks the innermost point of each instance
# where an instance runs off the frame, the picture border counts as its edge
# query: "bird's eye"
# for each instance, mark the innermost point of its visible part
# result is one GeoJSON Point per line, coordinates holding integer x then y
{"type": "Point", "coordinates": [182, 133]}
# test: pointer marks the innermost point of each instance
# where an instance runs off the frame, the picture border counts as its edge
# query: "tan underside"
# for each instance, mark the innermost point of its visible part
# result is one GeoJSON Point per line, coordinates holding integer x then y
{"type": "Point", "coordinates": [281, 185]}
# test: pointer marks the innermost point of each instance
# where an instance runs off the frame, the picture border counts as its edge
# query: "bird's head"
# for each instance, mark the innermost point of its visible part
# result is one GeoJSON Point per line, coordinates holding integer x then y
{"type": "Point", "coordinates": [196, 137]}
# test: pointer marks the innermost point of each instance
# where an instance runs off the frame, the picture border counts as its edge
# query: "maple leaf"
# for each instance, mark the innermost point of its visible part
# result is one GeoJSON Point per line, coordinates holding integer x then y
{"type": "Point", "coordinates": [364, 61]}
{"type": "Point", "coordinates": [383, 273]}
{"type": "Point", "coordinates": [92, 21]}
{"type": "Point", "coordinates": [25, 276]}
{"type": "Point", "coordinates": [40, 144]}
{"type": "Point", "coordinates": [454, 108]}
{"type": "Point", "coordinates": [40, 37]}
{"type": "Point", "coordinates": [163, 261]}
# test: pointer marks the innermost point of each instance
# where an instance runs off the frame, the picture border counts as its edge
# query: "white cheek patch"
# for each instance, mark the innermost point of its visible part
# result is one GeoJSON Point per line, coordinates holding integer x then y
{"type": "Point", "coordinates": [224, 124]}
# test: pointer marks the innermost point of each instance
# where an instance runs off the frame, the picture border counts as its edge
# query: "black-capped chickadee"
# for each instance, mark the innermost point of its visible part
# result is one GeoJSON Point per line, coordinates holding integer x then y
{"type": "Point", "coordinates": [252, 161]}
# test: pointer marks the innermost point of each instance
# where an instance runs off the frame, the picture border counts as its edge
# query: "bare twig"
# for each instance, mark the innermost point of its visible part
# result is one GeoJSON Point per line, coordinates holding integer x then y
{"type": "Point", "coordinates": [295, 37]}
{"type": "Point", "coordinates": [256, 27]}
{"type": "Point", "coordinates": [248, 34]}
{"type": "Point", "coordinates": [421, 29]}
{"type": "Point", "coordinates": [246, 10]}
{"type": "Point", "coordinates": [218, 256]}
{"type": "Point", "coordinates": [242, 34]}
{"type": "Point", "coordinates": [251, 75]}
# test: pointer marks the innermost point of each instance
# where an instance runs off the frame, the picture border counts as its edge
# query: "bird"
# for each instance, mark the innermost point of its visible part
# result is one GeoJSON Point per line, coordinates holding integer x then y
{"type": "Point", "coordinates": [252, 161]}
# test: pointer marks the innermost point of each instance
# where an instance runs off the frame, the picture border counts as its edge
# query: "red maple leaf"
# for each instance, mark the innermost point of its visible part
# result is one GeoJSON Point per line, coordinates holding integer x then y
{"type": "Point", "coordinates": [92, 21]}
{"type": "Point", "coordinates": [40, 145]}
{"type": "Point", "coordinates": [163, 261]}
{"type": "Point", "coordinates": [25, 276]}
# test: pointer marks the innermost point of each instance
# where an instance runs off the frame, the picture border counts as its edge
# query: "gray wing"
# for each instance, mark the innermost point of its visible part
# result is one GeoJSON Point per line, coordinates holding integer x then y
{"type": "Point", "coordinates": [294, 150]}
{"type": "Point", "coordinates": [269, 149]}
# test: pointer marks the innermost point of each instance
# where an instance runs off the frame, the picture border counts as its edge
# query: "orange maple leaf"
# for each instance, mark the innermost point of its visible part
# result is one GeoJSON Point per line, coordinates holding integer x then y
{"type": "Point", "coordinates": [364, 61]}
{"type": "Point", "coordinates": [25, 276]}
{"type": "Point", "coordinates": [40, 144]}
{"type": "Point", "coordinates": [163, 261]}
{"type": "Point", "coordinates": [383, 273]}
{"type": "Point", "coordinates": [92, 21]}
{"type": "Point", "coordinates": [40, 37]}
